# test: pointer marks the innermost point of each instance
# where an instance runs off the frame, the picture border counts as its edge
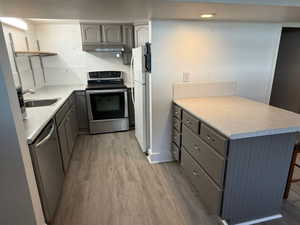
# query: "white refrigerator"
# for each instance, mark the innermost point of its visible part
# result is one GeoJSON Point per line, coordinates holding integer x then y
{"type": "Point", "coordinates": [140, 96]}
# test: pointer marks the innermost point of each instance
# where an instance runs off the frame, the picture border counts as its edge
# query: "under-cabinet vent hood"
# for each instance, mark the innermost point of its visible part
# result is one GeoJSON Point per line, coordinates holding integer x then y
{"type": "Point", "coordinates": [103, 48]}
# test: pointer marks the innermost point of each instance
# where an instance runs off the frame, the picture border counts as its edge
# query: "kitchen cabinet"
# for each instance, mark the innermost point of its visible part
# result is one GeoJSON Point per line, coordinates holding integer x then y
{"type": "Point", "coordinates": [64, 137]}
{"type": "Point", "coordinates": [112, 33]}
{"type": "Point", "coordinates": [91, 33]}
{"type": "Point", "coordinates": [128, 39]}
{"type": "Point", "coordinates": [233, 175]}
{"type": "Point", "coordinates": [108, 34]}
{"type": "Point", "coordinates": [81, 112]}
{"type": "Point", "coordinates": [66, 120]}
{"type": "Point", "coordinates": [141, 34]}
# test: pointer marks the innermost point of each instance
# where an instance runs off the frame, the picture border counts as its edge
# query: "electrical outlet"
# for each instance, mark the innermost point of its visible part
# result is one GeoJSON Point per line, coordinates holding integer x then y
{"type": "Point", "coordinates": [186, 76]}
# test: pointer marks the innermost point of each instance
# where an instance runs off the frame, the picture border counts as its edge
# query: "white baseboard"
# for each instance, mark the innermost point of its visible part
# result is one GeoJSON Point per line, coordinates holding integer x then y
{"type": "Point", "coordinates": [155, 158]}
{"type": "Point", "coordinates": [261, 220]}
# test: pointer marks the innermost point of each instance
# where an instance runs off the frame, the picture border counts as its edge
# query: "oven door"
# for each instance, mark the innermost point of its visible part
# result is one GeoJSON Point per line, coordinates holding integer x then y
{"type": "Point", "coordinates": [107, 104]}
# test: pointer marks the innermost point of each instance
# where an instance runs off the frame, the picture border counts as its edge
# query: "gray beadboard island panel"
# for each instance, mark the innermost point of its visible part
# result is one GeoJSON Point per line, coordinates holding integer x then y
{"type": "Point", "coordinates": [256, 175]}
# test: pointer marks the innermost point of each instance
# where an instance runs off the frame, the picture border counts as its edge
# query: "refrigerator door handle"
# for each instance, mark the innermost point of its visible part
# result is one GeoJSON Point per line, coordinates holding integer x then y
{"type": "Point", "coordinates": [132, 80]}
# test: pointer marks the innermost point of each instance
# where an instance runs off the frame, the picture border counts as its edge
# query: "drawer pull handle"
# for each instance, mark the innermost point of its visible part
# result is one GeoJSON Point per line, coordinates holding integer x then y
{"type": "Point", "coordinates": [176, 112]}
{"type": "Point", "coordinates": [196, 147]}
{"type": "Point", "coordinates": [188, 122]}
{"type": "Point", "coordinates": [210, 138]}
{"type": "Point", "coordinates": [195, 173]}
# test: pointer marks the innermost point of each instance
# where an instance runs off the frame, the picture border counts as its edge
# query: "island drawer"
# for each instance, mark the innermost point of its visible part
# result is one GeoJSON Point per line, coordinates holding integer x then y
{"type": "Point", "coordinates": [175, 152]}
{"type": "Point", "coordinates": [190, 121]}
{"type": "Point", "coordinates": [177, 111]}
{"type": "Point", "coordinates": [209, 193]}
{"type": "Point", "coordinates": [176, 137]}
{"type": "Point", "coordinates": [177, 124]}
{"type": "Point", "coordinates": [211, 161]}
{"type": "Point", "coordinates": [214, 139]}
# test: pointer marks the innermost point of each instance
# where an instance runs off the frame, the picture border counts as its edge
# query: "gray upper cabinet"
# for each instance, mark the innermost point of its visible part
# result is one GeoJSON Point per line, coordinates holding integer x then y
{"type": "Point", "coordinates": [141, 34]}
{"type": "Point", "coordinates": [91, 33]}
{"type": "Point", "coordinates": [108, 34]}
{"type": "Point", "coordinates": [112, 33]}
{"type": "Point", "coordinates": [128, 39]}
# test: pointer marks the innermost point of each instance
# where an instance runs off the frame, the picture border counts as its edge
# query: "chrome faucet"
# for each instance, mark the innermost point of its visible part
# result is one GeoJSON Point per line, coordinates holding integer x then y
{"type": "Point", "coordinates": [30, 91]}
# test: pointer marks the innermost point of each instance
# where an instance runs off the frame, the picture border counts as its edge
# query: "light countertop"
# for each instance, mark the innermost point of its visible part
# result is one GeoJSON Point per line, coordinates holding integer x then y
{"type": "Point", "coordinates": [38, 117]}
{"type": "Point", "coordinates": [237, 117]}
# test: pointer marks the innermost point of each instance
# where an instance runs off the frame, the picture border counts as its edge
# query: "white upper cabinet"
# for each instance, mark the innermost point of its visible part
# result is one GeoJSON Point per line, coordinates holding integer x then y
{"type": "Point", "coordinates": [141, 34]}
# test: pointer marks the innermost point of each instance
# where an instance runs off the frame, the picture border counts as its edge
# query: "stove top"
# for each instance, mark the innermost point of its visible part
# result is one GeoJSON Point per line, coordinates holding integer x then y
{"type": "Point", "coordinates": [99, 86]}
{"type": "Point", "coordinates": [98, 80]}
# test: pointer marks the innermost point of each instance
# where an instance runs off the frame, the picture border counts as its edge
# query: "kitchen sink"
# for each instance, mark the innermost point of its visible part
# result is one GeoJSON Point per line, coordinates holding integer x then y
{"type": "Point", "coordinates": [40, 103]}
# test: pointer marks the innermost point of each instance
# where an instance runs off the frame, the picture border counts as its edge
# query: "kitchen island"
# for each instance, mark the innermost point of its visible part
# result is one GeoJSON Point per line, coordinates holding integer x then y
{"type": "Point", "coordinates": [237, 153]}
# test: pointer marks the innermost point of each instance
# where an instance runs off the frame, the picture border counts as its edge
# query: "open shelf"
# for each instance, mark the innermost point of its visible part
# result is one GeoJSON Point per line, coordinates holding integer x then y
{"type": "Point", "coordinates": [34, 53]}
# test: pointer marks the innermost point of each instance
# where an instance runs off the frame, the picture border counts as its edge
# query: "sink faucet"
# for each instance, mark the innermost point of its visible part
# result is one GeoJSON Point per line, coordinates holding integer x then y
{"type": "Point", "coordinates": [31, 91]}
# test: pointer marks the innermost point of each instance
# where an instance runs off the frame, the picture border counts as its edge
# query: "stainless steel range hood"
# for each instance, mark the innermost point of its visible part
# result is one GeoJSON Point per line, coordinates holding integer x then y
{"type": "Point", "coordinates": [103, 48]}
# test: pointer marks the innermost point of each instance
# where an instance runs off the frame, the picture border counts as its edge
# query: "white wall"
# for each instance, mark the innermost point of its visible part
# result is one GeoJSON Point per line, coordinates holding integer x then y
{"type": "Point", "coordinates": [23, 64]}
{"type": "Point", "coordinates": [72, 64]}
{"type": "Point", "coordinates": [209, 51]}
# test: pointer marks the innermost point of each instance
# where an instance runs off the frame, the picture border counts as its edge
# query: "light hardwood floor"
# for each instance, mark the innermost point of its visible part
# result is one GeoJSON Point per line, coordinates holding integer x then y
{"type": "Point", "coordinates": [110, 182]}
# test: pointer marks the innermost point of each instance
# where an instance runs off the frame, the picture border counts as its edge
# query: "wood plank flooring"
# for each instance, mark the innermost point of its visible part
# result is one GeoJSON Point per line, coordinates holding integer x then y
{"type": "Point", "coordinates": [110, 182]}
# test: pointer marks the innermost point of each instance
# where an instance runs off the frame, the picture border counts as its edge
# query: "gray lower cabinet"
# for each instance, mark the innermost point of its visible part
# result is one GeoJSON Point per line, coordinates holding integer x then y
{"type": "Point", "coordinates": [67, 129]}
{"type": "Point", "coordinates": [176, 133]}
{"type": "Point", "coordinates": [64, 143]}
{"type": "Point", "coordinates": [237, 179]}
{"type": "Point", "coordinates": [81, 111]}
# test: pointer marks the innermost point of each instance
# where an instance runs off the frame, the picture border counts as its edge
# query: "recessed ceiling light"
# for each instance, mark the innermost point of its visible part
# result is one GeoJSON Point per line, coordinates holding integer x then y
{"type": "Point", "coordinates": [207, 15]}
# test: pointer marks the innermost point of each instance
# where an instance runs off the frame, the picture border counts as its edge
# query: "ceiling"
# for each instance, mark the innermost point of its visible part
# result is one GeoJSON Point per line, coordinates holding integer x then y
{"type": "Point", "coordinates": [142, 10]}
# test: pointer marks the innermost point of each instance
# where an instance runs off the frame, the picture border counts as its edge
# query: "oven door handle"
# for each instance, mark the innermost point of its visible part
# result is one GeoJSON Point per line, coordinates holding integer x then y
{"type": "Point", "coordinates": [106, 91]}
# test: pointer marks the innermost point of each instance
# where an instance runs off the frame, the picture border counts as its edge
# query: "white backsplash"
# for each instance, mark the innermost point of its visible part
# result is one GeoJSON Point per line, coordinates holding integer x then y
{"type": "Point", "coordinates": [71, 65]}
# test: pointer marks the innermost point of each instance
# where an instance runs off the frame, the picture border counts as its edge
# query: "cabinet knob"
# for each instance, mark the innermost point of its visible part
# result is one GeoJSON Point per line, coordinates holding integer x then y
{"type": "Point", "coordinates": [196, 147]}
{"type": "Point", "coordinates": [195, 173]}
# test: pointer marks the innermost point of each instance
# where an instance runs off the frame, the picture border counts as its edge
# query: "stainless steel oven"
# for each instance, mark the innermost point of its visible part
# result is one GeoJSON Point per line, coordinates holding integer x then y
{"type": "Point", "coordinates": [107, 110]}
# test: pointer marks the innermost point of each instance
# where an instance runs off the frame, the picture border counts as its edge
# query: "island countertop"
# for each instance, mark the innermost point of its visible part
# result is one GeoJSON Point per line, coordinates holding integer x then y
{"type": "Point", "coordinates": [237, 117]}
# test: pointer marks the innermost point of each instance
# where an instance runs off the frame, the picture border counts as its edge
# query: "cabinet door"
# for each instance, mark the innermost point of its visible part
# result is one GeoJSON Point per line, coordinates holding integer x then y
{"type": "Point", "coordinates": [112, 33]}
{"type": "Point", "coordinates": [69, 132]}
{"type": "Point", "coordinates": [91, 33]}
{"type": "Point", "coordinates": [64, 145]}
{"type": "Point", "coordinates": [81, 110]}
{"type": "Point", "coordinates": [141, 35]}
{"type": "Point", "coordinates": [73, 118]}
{"type": "Point", "coordinates": [128, 37]}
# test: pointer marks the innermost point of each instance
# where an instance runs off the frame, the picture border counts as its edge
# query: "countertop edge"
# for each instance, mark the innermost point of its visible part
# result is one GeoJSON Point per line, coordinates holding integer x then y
{"type": "Point", "coordinates": [244, 135]}
{"type": "Point", "coordinates": [35, 134]}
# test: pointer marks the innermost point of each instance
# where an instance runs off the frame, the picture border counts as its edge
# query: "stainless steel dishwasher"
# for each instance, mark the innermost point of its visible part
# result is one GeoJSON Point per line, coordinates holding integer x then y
{"type": "Point", "coordinates": [47, 163]}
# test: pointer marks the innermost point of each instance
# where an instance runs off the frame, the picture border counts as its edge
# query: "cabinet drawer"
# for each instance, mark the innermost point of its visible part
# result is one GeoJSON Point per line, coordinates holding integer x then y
{"type": "Point", "coordinates": [176, 137]}
{"type": "Point", "coordinates": [177, 124]}
{"type": "Point", "coordinates": [208, 192]}
{"type": "Point", "coordinates": [212, 162]}
{"type": "Point", "coordinates": [214, 139]}
{"type": "Point", "coordinates": [190, 121]}
{"type": "Point", "coordinates": [177, 111]}
{"type": "Point", "coordinates": [175, 152]}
